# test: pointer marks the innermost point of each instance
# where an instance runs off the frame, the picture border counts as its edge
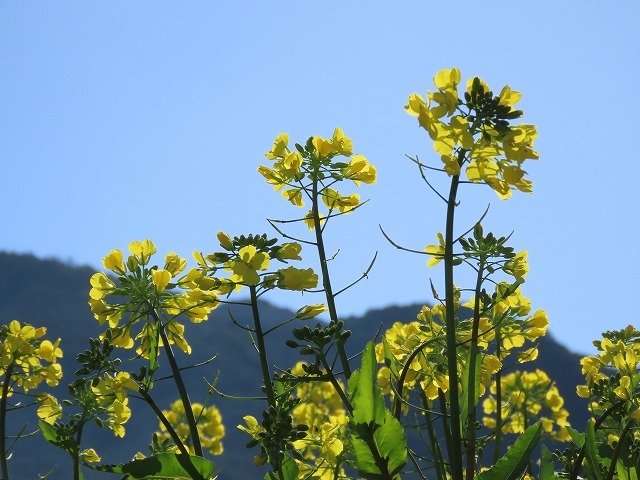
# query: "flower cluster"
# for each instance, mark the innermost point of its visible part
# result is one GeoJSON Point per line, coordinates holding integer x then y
{"type": "Point", "coordinates": [26, 359]}
{"type": "Point", "coordinates": [424, 342]}
{"type": "Point", "coordinates": [612, 381]}
{"type": "Point", "coordinates": [247, 259]}
{"type": "Point", "coordinates": [322, 410]}
{"type": "Point", "coordinates": [510, 323]}
{"type": "Point", "coordinates": [312, 170]}
{"type": "Point", "coordinates": [475, 131]}
{"type": "Point", "coordinates": [209, 421]}
{"type": "Point", "coordinates": [111, 394]}
{"type": "Point", "coordinates": [526, 398]}
{"type": "Point", "coordinates": [103, 399]}
{"type": "Point", "coordinates": [147, 293]}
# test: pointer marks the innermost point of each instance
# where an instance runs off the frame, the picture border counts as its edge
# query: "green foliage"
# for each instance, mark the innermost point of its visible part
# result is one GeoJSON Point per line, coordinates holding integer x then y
{"type": "Point", "coordinates": [515, 461]}
{"type": "Point", "coordinates": [162, 466]}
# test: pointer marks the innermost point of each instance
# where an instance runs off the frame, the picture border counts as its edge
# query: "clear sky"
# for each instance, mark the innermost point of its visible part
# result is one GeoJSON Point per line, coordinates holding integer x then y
{"type": "Point", "coordinates": [125, 120]}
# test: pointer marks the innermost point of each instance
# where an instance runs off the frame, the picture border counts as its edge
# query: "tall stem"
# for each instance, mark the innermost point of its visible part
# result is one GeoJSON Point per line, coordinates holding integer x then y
{"type": "Point", "coordinates": [326, 280]}
{"type": "Point", "coordinates": [3, 421]}
{"type": "Point", "coordinates": [182, 389]}
{"type": "Point", "coordinates": [452, 357]}
{"type": "Point", "coordinates": [470, 435]}
{"type": "Point", "coordinates": [498, 438]}
{"type": "Point", "coordinates": [262, 351]}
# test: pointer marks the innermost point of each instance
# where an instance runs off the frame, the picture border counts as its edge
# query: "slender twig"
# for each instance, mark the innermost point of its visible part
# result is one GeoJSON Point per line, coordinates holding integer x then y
{"type": "Point", "coordinates": [362, 277]}
{"type": "Point", "coordinates": [3, 420]}
{"type": "Point", "coordinates": [326, 280]}
{"type": "Point", "coordinates": [182, 389]}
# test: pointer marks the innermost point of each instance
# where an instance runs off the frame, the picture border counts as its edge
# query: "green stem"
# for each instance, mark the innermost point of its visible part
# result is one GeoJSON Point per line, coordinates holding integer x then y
{"type": "Point", "coordinates": [334, 382]}
{"type": "Point", "coordinates": [442, 402]}
{"type": "Point", "coordinates": [3, 421]}
{"type": "Point", "coordinates": [498, 438]}
{"type": "Point", "coordinates": [470, 436]}
{"type": "Point", "coordinates": [577, 466]}
{"type": "Point", "coordinates": [438, 461]}
{"type": "Point", "coordinates": [75, 457]}
{"type": "Point", "coordinates": [182, 389]}
{"type": "Point", "coordinates": [616, 452]}
{"type": "Point", "coordinates": [163, 419]}
{"type": "Point", "coordinates": [326, 280]}
{"type": "Point", "coordinates": [262, 351]}
{"type": "Point", "coordinates": [452, 357]}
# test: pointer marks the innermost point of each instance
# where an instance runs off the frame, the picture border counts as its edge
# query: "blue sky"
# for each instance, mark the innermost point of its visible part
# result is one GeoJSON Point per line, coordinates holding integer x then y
{"type": "Point", "coordinates": [122, 120]}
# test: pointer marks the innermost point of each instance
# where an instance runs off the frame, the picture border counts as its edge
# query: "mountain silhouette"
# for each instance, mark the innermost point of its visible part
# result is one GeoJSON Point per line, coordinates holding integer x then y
{"type": "Point", "coordinates": [48, 292]}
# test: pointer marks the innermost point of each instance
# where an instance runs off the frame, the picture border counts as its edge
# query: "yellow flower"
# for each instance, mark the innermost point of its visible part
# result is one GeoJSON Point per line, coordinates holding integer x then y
{"type": "Point", "coordinates": [509, 97]}
{"type": "Point", "coordinates": [246, 266]}
{"type": "Point", "coordinates": [209, 425]}
{"type": "Point", "coordinates": [308, 220]}
{"type": "Point", "coordinates": [310, 311]}
{"type": "Point", "coordinates": [101, 286]}
{"type": "Point", "coordinates": [49, 351]}
{"type": "Point", "coordinates": [279, 147]}
{"type": "Point", "coordinates": [333, 200]}
{"type": "Point", "coordinates": [360, 170]}
{"type": "Point", "coordinates": [292, 278]}
{"type": "Point", "coordinates": [142, 251]}
{"type": "Point", "coordinates": [341, 143]}
{"type": "Point", "coordinates": [49, 409]}
{"type": "Point", "coordinates": [447, 79]}
{"type": "Point", "coordinates": [436, 250]}
{"type": "Point", "coordinates": [174, 264]}
{"type": "Point", "coordinates": [160, 279]}
{"type": "Point", "coordinates": [289, 251]}
{"type": "Point", "coordinates": [114, 262]}
{"type": "Point", "coordinates": [118, 414]}
{"type": "Point", "coordinates": [89, 455]}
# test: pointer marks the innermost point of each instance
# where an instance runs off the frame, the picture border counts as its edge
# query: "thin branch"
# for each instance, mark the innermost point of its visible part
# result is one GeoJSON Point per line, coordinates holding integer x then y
{"type": "Point", "coordinates": [362, 277]}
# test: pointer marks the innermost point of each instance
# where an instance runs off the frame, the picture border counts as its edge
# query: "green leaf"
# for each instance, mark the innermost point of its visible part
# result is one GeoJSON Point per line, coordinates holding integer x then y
{"type": "Point", "coordinates": [547, 467]}
{"type": "Point", "coordinates": [49, 432]}
{"type": "Point", "coordinates": [367, 401]}
{"type": "Point", "coordinates": [624, 472]}
{"type": "Point", "coordinates": [576, 436]}
{"type": "Point", "coordinates": [465, 407]}
{"type": "Point", "coordinates": [162, 466]}
{"type": "Point", "coordinates": [392, 443]}
{"type": "Point", "coordinates": [377, 437]}
{"type": "Point", "coordinates": [593, 457]}
{"type": "Point", "coordinates": [289, 470]}
{"type": "Point", "coordinates": [390, 359]}
{"type": "Point", "coordinates": [513, 463]}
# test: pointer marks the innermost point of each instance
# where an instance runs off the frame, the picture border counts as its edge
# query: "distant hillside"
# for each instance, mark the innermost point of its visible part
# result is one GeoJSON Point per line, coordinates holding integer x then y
{"type": "Point", "coordinates": [50, 293]}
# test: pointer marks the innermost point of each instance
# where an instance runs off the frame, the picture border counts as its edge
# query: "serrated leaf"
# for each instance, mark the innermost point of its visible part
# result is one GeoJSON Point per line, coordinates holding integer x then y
{"type": "Point", "coordinates": [374, 430]}
{"type": "Point", "coordinates": [513, 463]}
{"type": "Point", "coordinates": [591, 452]}
{"type": "Point", "coordinates": [162, 466]}
{"type": "Point", "coordinates": [547, 467]}
{"type": "Point", "coordinates": [392, 443]}
{"type": "Point", "coordinates": [576, 436]}
{"type": "Point", "coordinates": [624, 472]}
{"type": "Point", "coordinates": [289, 470]}
{"type": "Point", "coordinates": [367, 401]}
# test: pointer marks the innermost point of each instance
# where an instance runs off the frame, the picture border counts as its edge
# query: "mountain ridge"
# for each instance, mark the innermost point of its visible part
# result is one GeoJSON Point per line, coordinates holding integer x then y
{"type": "Point", "coordinates": [48, 292]}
